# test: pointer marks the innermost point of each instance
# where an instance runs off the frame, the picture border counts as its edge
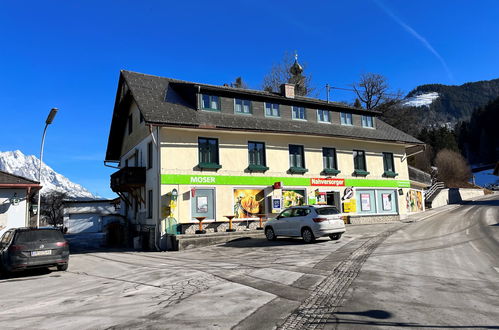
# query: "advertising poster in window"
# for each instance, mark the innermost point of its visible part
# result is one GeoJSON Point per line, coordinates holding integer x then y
{"type": "Point", "coordinates": [365, 202]}
{"type": "Point", "coordinates": [293, 197]}
{"type": "Point", "coordinates": [248, 203]}
{"type": "Point", "coordinates": [387, 202]}
{"type": "Point", "coordinates": [414, 200]}
{"type": "Point", "coordinates": [202, 204]}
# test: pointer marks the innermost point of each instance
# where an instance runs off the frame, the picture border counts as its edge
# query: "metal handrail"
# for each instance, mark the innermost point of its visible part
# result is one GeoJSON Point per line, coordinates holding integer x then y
{"type": "Point", "coordinates": [433, 189]}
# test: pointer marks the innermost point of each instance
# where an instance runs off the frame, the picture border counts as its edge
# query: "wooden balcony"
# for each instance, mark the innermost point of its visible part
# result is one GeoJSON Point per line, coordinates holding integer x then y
{"type": "Point", "coordinates": [128, 179]}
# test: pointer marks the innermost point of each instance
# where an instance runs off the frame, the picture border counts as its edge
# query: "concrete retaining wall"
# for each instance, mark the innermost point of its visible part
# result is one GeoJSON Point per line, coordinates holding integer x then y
{"type": "Point", "coordinates": [455, 196]}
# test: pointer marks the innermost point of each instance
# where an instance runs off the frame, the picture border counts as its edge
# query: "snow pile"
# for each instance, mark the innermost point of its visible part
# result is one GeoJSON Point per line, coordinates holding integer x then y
{"type": "Point", "coordinates": [15, 162]}
{"type": "Point", "coordinates": [485, 178]}
{"type": "Point", "coordinates": [421, 100]}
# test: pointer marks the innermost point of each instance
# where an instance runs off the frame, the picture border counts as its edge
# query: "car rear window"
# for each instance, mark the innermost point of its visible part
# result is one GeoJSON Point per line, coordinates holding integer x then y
{"type": "Point", "coordinates": [39, 235]}
{"type": "Point", "coordinates": [327, 210]}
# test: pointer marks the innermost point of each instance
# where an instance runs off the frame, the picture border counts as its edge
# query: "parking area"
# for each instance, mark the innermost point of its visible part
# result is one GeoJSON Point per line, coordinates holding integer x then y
{"type": "Point", "coordinates": [250, 283]}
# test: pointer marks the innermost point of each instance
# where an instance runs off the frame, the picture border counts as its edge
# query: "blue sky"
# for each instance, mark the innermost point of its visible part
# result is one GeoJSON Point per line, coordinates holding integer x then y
{"type": "Point", "coordinates": [67, 54]}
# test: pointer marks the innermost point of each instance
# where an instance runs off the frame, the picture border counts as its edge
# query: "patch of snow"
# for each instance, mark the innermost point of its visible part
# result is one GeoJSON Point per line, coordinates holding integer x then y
{"type": "Point", "coordinates": [15, 162]}
{"type": "Point", "coordinates": [421, 100]}
{"type": "Point", "coordinates": [484, 178]}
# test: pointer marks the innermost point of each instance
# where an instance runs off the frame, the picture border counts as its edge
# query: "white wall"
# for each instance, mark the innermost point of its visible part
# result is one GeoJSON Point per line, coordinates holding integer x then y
{"type": "Point", "coordinates": [12, 216]}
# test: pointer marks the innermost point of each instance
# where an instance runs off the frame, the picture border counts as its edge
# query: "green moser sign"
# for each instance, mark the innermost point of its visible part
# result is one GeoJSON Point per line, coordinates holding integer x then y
{"type": "Point", "coordinates": [270, 180]}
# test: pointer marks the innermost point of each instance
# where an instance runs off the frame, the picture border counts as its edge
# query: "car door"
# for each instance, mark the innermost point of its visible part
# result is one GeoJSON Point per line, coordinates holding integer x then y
{"type": "Point", "coordinates": [295, 223]}
{"type": "Point", "coordinates": [280, 225]}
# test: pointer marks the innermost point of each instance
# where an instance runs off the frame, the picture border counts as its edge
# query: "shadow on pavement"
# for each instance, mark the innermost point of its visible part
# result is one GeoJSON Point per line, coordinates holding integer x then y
{"type": "Point", "coordinates": [262, 242]}
{"type": "Point", "coordinates": [384, 315]}
{"type": "Point", "coordinates": [25, 275]}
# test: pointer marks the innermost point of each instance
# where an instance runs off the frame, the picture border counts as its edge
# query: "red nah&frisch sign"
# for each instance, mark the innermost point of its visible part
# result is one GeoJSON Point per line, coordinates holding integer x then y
{"type": "Point", "coordinates": [327, 182]}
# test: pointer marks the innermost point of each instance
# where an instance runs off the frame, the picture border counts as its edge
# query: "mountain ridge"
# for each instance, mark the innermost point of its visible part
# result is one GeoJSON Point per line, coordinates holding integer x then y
{"type": "Point", "coordinates": [18, 163]}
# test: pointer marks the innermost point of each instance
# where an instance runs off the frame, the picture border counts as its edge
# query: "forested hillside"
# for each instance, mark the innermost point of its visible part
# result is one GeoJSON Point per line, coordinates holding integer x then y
{"type": "Point", "coordinates": [454, 103]}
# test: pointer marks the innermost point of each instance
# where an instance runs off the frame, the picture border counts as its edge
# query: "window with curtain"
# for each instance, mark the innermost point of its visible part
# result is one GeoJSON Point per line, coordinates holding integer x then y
{"type": "Point", "coordinates": [296, 156]}
{"type": "Point", "coordinates": [272, 110]}
{"type": "Point", "coordinates": [298, 113]}
{"type": "Point", "coordinates": [242, 106]}
{"type": "Point", "coordinates": [346, 118]}
{"type": "Point", "coordinates": [323, 116]}
{"type": "Point", "coordinates": [210, 102]}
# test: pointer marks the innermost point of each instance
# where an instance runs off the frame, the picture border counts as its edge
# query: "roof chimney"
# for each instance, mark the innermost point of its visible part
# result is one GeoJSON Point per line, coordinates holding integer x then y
{"type": "Point", "coordinates": [288, 90]}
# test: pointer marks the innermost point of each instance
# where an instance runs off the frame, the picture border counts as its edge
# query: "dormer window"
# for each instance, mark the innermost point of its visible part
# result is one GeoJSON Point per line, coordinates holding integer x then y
{"type": "Point", "coordinates": [242, 106]}
{"type": "Point", "coordinates": [299, 113]}
{"type": "Point", "coordinates": [210, 102]}
{"type": "Point", "coordinates": [367, 121]}
{"type": "Point", "coordinates": [272, 110]}
{"type": "Point", "coordinates": [323, 116]}
{"type": "Point", "coordinates": [346, 118]}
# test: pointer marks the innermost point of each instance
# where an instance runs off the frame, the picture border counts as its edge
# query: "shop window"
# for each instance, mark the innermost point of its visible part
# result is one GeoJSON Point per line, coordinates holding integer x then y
{"type": "Point", "coordinates": [210, 102]}
{"type": "Point", "coordinates": [203, 204]}
{"type": "Point", "coordinates": [387, 201]}
{"type": "Point", "coordinates": [272, 110]}
{"type": "Point", "coordinates": [346, 118]}
{"type": "Point", "coordinates": [296, 159]}
{"type": "Point", "coordinates": [359, 162]}
{"type": "Point", "coordinates": [298, 113]}
{"type": "Point", "coordinates": [242, 106]}
{"type": "Point", "coordinates": [323, 116]}
{"type": "Point", "coordinates": [389, 165]}
{"type": "Point", "coordinates": [295, 197]}
{"type": "Point", "coordinates": [256, 156]}
{"type": "Point", "coordinates": [329, 161]}
{"type": "Point", "coordinates": [366, 202]}
{"type": "Point", "coordinates": [208, 153]}
{"type": "Point", "coordinates": [248, 203]}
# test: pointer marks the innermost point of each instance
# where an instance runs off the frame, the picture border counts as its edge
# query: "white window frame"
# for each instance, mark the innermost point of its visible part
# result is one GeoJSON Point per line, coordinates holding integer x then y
{"type": "Point", "coordinates": [271, 104]}
{"type": "Point", "coordinates": [250, 110]}
{"type": "Point", "coordinates": [328, 121]}
{"type": "Point", "coordinates": [347, 115]}
{"type": "Point", "coordinates": [293, 113]}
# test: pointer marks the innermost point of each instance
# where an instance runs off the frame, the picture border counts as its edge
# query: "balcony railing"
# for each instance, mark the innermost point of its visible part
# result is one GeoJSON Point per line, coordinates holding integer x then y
{"type": "Point", "coordinates": [128, 178]}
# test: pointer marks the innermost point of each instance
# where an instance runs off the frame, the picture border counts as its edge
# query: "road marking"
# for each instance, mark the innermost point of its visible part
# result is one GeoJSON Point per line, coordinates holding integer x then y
{"type": "Point", "coordinates": [496, 268]}
{"type": "Point", "coordinates": [473, 246]}
{"type": "Point", "coordinates": [467, 231]}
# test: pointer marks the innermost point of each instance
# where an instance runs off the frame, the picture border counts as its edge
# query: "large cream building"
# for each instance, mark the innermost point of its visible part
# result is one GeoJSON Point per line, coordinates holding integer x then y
{"type": "Point", "coordinates": [230, 151]}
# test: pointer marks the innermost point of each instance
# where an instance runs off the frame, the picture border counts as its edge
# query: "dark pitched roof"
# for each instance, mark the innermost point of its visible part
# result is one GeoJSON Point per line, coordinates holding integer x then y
{"type": "Point", "coordinates": [171, 102]}
{"type": "Point", "coordinates": [7, 178]}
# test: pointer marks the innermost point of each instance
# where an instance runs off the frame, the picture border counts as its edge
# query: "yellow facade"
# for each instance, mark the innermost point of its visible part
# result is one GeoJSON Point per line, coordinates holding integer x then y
{"type": "Point", "coordinates": [179, 156]}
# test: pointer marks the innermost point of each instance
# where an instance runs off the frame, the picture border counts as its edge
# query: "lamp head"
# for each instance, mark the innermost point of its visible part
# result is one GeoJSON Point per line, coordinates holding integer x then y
{"type": "Point", "coordinates": [51, 116]}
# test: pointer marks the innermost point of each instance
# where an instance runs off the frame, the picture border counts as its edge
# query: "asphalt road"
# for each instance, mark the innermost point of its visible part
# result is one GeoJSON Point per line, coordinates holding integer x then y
{"type": "Point", "coordinates": [436, 273]}
{"type": "Point", "coordinates": [439, 273]}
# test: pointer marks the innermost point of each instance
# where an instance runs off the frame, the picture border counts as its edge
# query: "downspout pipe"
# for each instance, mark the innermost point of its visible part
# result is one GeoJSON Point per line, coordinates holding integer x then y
{"type": "Point", "coordinates": [157, 228]}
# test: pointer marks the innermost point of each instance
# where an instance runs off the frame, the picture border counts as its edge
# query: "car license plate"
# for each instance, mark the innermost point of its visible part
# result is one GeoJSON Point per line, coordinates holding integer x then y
{"type": "Point", "coordinates": [41, 253]}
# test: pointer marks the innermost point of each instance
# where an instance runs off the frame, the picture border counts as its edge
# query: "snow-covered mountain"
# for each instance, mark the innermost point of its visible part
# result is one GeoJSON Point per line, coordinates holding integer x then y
{"type": "Point", "coordinates": [15, 162]}
{"type": "Point", "coordinates": [421, 100]}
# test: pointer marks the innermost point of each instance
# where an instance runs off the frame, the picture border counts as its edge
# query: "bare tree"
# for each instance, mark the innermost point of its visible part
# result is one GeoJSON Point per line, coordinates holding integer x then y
{"type": "Point", "coordinates": [280, 74]}
{"type": "Point", "coordinates": [452, 168]}
{"type": "Point", "coordinates": [373, 91]}
{"type": "Point", "coordinates": [52, 207]}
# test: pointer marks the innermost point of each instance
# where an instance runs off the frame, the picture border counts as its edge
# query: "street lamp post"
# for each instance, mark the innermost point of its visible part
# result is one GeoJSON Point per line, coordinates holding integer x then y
{"type": "Point", "coordinates": [48, 121]}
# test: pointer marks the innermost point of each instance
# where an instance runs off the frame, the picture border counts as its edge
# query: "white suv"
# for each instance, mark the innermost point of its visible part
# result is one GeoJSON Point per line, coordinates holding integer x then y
{"type": "Point", "coordinates": [309, 222]}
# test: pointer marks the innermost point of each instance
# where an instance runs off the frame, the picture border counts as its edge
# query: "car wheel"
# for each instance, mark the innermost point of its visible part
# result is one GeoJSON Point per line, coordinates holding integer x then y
{"type": "Point", "coordinates": [307, 235]}
{"type": "Point", "coordinates": [62, 267]}
{"type": "Point", "coordinates": [269, 233]}
{"type": "Point", "coordinates": [335, 237]}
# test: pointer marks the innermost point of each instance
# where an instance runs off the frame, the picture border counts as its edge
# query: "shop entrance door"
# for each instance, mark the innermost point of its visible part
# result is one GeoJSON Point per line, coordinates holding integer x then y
{"type": "Point", "coordinates": [333, 198]}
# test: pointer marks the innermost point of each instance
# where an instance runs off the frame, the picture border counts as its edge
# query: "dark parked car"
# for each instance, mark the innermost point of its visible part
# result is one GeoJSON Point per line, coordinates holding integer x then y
{"type": "Point", "coordinates": [25, 248]}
